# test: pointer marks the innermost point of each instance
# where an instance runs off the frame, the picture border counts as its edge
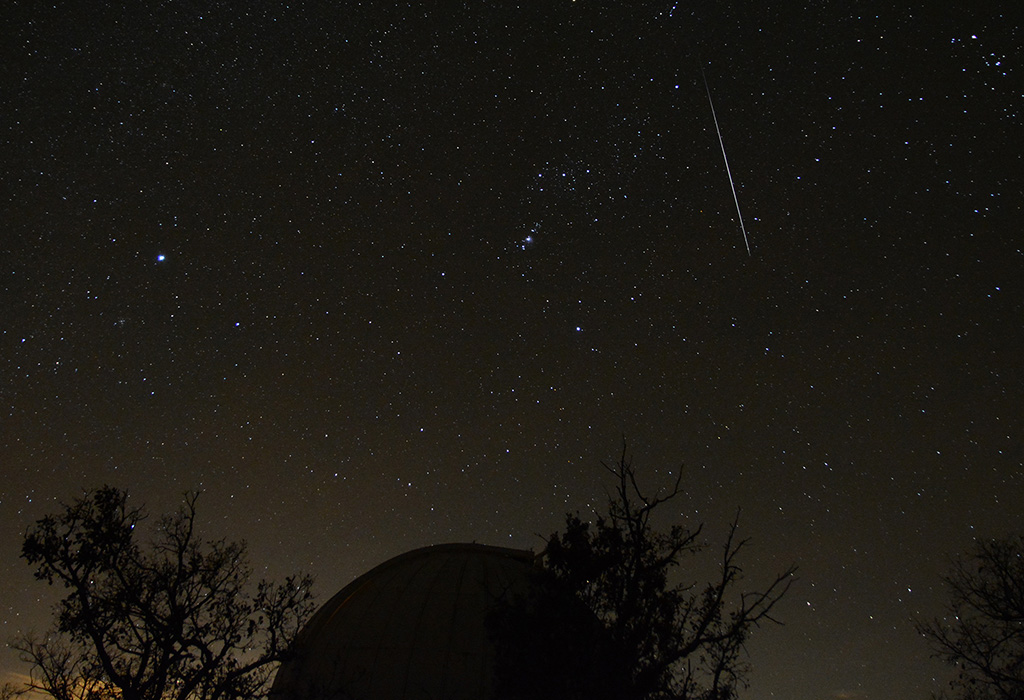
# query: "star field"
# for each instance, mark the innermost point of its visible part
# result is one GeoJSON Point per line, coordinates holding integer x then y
{"type": "Point", "coordinates": [381, 275]}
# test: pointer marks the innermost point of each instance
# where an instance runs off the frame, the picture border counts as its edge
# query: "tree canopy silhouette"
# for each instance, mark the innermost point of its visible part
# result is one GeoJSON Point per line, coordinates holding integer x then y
{"type": "Point", "coordinates": [171, 619]}
{"type": "Point", "coordinates": [982, 632]}
{"type": "Point", "coordinates": [608, 617]}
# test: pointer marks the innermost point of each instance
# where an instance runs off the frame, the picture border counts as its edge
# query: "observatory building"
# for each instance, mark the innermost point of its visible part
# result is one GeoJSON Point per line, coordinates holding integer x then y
{"type": "Point", "coordinates": [413, 628]}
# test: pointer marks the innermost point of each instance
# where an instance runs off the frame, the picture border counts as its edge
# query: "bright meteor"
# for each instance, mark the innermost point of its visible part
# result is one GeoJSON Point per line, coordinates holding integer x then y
{"type": "Point", "coordinates": [726, 159]}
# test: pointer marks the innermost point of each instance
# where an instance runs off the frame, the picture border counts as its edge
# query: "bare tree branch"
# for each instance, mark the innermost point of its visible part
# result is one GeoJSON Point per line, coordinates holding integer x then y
{"type": "Point", "coordinates": [982, 632]}
{"type": "Point", "coordinates": [173, 620]}
{"type": "Point", "coordinates": [643, 635]}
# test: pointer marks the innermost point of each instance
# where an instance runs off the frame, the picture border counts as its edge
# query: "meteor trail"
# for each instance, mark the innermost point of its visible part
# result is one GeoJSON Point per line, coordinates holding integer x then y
{"type": "Point", "coordinates": [726, 159]}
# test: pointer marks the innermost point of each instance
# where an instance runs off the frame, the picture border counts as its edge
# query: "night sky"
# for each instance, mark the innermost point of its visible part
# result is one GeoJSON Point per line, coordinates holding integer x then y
{"type": "Point", "coordinates": [381, 275]}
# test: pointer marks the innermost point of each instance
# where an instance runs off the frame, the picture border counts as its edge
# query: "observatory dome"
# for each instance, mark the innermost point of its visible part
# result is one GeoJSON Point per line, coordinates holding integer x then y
{"type": "Point", "coordinates": [412, 628]}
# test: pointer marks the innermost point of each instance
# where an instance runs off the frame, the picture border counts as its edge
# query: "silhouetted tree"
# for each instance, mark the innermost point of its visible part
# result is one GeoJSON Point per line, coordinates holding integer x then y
{"type": "Point", "coordinates": [605, 618]}
{"type": "Point", "coordinates": [982, 632]}
{"type": "Point", "coordinates": [10, 691]}
{"type": "Point", "coordinates": [173, 619]}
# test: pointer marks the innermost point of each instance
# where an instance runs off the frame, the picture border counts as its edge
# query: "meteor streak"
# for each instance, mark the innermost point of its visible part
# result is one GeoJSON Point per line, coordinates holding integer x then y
{"type": "Point", "coordinates": [726, 159]}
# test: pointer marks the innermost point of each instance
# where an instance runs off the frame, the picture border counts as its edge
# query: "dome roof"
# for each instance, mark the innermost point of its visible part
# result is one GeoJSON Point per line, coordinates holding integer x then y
{"type": "Point", "coordinates": [413, 627]}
